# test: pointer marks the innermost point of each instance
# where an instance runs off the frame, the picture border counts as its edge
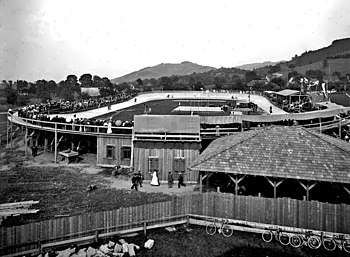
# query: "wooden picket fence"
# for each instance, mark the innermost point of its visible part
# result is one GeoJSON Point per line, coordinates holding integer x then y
{"type": "Point", "coordinates": [282, 211]}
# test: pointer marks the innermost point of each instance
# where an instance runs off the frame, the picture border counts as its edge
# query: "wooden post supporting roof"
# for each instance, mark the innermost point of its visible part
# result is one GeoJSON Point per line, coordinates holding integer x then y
{"type": "Point", "coordinates": [346, 189]}
{"type": "Point", "coordinates": [275, 183]}
{"type": "Point", "coordinates": [236, 179]}
{"type": "Point", "coordinates": [307, 186]}
{"type": "Point", "coordinates": [201, 178]}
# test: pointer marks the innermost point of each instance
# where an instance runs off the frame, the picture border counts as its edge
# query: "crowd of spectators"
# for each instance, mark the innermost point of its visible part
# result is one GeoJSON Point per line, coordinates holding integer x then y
{"type": "Point", "coordinates": [41, 112]}
{"type": "Point", "coordinates": [53, 106]}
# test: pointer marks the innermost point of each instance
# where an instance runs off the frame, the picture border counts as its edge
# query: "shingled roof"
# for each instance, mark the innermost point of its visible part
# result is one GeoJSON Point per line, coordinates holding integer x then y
{"type": "Point", "coordinates": [276, 151]}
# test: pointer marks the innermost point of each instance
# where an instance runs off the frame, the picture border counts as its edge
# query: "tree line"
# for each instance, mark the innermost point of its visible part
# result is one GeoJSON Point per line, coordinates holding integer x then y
{"type": "Point", "coordinates": [231, 79]}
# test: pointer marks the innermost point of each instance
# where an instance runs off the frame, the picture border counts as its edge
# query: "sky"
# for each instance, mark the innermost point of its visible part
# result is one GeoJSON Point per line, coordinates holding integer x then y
{"type": "Point", "coordinates": [50, 39]}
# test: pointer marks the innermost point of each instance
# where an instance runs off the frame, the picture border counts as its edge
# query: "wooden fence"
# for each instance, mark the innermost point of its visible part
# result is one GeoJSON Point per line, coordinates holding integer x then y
{"type": "Point", "coordinates": [283, 212]}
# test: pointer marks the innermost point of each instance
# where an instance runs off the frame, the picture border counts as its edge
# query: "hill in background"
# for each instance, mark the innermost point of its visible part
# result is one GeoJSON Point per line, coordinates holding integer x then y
{"type": "Point", "coordinates": [164, 70]}
{"type": "Point", "coordinates": [252, 66]}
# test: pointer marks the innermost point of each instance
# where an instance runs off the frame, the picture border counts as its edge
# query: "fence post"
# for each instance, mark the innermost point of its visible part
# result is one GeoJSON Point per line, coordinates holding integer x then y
{"type": "Point", "coordinates": [187, 220]}
{"type": "Point", "coordinates": [96, 235]}
{"type": "Point", "coordinates": [145, 228]}
{"type": "Point", "coordinates": [40, 248]}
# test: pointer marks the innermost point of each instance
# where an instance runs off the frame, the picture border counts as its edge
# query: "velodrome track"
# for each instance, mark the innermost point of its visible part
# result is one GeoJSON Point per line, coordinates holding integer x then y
{"type": "Point", "coordinates": [261, 101]}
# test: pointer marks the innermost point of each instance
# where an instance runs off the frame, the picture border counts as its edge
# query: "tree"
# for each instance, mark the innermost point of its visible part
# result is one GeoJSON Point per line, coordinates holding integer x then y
{"type": "Point", "coordinates": [139, 82]}
{"type": "Point", "coordinates": [165, 82]}
{"type": "Point", "coordinates": [97, 81]}
{"type": "Point", "coordinates": [86, 80]}
{"type": "Point", "coordinates": [198, 86]}
{"type": "Point", "coordinates": [10, 93]}
{"type": "Point", "coordinates": [251, 75]}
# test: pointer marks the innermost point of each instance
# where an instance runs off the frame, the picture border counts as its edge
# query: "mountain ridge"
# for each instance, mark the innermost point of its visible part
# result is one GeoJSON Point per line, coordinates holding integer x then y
{"type": "Point", "coordinates": [164, 70]}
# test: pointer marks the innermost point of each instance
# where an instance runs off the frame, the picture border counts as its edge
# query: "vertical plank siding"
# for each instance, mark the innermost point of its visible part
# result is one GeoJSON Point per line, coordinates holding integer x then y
{"type": "Point", "coordinates": [118, 142]}
{"type": "Point", "coordinates": [282, 211]}
{"type": "Point", "coordinates": [166, 153]}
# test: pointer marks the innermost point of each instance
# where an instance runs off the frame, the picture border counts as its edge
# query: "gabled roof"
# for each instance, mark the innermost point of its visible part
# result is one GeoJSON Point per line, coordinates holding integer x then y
{"type": "Point", "coordinates": [276, 151]}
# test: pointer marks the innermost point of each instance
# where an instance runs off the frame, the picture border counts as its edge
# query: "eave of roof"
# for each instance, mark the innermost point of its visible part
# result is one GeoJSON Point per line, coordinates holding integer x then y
{"type": "Point", "coordinates": [284, 152]}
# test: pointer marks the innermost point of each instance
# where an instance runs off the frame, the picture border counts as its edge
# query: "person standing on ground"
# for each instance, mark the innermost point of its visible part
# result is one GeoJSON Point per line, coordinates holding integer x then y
{"type": "Point", "coordinates": [134, 182]}
{"type": "Point", "coordinates": [139, 178]}
{"type": "Point", "coordinates": [270, 109]}
{"type": "Point", "coordinates": [154, 181]}
{"type": "Point", "coordinates": [170, 180]}
{"type": "Point", "coordinates": [181, 180]}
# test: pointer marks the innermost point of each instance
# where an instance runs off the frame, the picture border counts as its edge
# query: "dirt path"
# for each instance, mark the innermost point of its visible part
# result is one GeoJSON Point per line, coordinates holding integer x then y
{"type": "Point", "coordinates": [118, 182]}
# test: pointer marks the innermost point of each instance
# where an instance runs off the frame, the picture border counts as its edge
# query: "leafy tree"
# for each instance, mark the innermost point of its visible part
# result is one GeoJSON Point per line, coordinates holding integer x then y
{"type": "Point", "coordinates": [198, 86]}
{"type": "Point", "coordinates": [293, 74]}
{"type": "Point", "coordinates": [275, 68]}
{"type": "Point", "coordinates": [123, 86]}
{"type": "Point", "coordinates": [10, 93]}
{"type": "Point", "coordinates": [165, 82]}
{"type": "Point", "coordinates": [97, 81]}
{"type": "Point", "coordinates": [279, 82]}
{"type": "Point", "coordinates": [66, 92]}
{"type": "Point", "coordinates": [86, 80]}
{"type": "Point", "coordinates": [251, 75]}
{"type": "Point", "coordinates": [139, 82]}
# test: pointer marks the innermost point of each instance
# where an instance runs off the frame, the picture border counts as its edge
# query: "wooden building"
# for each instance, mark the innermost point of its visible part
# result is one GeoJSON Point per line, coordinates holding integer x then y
{"type": "Point", "coordinates": [276, 162]}
{"type": "Point", "coordinates": [114, 150]}
{"type": "Point", "coordinates": [166, 143]}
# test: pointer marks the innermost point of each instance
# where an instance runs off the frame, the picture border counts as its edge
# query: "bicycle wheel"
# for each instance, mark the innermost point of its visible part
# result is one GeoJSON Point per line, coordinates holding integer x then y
{"type": "Point", "coordinates": [267, 236]}
{"type": "Point", "coordinates": [314, 242]}
{"type": "Point", "coordinates": [211, 228]}
{"type": "Point", "coordinates": [296, 241]}
{"type": "Point", "coordinates": [284, 239]}
{"type": "Point", "coordinates": [346, 245]}
{"type": "Point", "coordinates": [227, 230]}
{"type": "Point", "coordinates": [329, 244]}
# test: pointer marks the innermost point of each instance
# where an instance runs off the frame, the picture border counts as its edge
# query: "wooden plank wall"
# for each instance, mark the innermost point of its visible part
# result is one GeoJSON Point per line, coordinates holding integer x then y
{"type": "Point", "coordinates": [166, 152]}
{"type": "Point", "coordinates": [117, 142]}
{"type": "Point", "coordinates": [283, 211]}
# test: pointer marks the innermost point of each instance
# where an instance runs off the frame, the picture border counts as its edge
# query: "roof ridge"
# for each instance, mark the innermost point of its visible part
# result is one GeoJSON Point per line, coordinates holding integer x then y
{"type": "Point", "coordinates": [213, 154]}
{"type": "Point", "coordinates": [323, 138]}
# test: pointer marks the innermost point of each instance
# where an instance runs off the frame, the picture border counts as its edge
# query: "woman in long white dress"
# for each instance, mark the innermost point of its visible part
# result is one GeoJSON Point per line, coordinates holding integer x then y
{"type": "Point", "coordinates": [154, 181]}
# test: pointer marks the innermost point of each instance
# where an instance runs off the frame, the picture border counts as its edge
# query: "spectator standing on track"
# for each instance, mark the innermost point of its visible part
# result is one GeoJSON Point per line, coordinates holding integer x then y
{"type": "Point", "coordinates": [181, 180]}
{"type": "Point", "coordinates": [270, 109]}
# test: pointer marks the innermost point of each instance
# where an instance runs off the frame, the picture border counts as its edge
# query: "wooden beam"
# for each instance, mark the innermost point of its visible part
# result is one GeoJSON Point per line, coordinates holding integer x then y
{"type": "Point", "coordinates": [307, 186]}
{"type": "Point", "coordinates": [236, 181]}
{"type": "Point", "coordinates": [275, 184]}
{"type": "Point", "coordinates": [200, 182]}
{"type": "Point", "coordinates": [346, 189]}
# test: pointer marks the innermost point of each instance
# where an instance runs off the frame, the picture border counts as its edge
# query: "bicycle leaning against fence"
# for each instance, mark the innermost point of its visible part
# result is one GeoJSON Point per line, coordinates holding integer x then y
{"type": "Point", "coordinates": [309, 239]}
{"type": "Point", "coordinates": [340, 241]}
{"type": "Point", "coordinates": [277, 233]}
{"type": "Point", "coordinates": [222, 226]}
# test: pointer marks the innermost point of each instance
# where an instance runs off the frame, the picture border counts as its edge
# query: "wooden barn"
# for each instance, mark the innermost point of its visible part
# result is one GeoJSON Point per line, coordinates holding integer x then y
{"type": "Point", "coordinates": [166, 143]}
{"type": "Point", "coordinates": [276, 162]}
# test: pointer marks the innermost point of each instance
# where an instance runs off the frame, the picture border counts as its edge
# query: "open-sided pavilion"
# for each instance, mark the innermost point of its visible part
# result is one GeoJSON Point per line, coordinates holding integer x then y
{"type": "Point", "coordinates": [299, 163]}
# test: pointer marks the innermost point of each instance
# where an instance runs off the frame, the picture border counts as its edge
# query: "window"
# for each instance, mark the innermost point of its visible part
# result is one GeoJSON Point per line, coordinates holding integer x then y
{"type": "Point", "coordinates": [153, 164]}
{"type": "Point", "coordinates": [110, 152]}
{"type": "Point", "coordinates": [126, 152]}
{"type": "Point", "coordinates": [179, 164]}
